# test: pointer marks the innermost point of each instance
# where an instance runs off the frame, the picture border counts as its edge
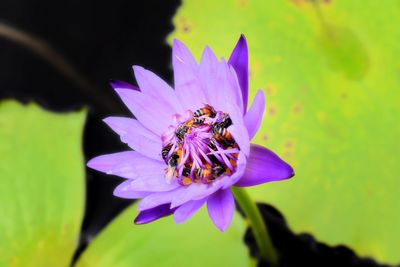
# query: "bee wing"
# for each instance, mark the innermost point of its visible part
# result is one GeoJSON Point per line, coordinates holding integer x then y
{"type": "Point", "coordinates": [169, 175]}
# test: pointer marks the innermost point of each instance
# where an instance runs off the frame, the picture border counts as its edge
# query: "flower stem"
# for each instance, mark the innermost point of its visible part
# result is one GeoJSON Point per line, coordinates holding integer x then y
{"type": "Point", "coordinates": [257, 225]}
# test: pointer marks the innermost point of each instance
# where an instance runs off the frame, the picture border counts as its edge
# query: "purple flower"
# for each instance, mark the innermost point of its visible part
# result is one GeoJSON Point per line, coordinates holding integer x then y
{"type": "Point", "coordinates": [190, 144]}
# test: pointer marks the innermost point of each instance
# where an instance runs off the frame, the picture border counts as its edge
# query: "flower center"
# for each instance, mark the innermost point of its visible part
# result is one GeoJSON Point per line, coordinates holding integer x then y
{"type": "Point", "coordinates": [199, 148]}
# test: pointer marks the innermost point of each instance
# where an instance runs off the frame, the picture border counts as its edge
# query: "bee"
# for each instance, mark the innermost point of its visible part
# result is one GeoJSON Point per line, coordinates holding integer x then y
{"type": "Point", "coordinates": [186, 172]}
{"type": "Point", "coordinates": [226, 121]}
{"type": "Point", "coordinates": [173, 160]}
{"type": "Point", "coordinates": [217, 128]}
{"type": "Point", "coordinates": [207, 111]}
{"type": "Point", "coordinates": [194, 122]}
{"type": "Point", "coordinates": [212, 145]}
{"type": "Point", "coordinates": [205, 174]}
{"type": "Point", "coordinates": [182, 131]}
{"type": "Point", "coordinates": [165, 151]}
{"type": "Point", "coordinates": [218, 170]}
{"type": "Point", "coordinates": [220, 127]}
{"type": "Point", "coordinates": [222, 135]}
{"type": "Point", "coordinates": [170, 171]}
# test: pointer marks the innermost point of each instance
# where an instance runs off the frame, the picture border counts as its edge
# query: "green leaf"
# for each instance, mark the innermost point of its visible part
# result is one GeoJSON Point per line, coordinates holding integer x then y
{"type": "Point", "coordinates": [41, 185]}
{"type": "Point", "coordinates": [331, 75]}
{"type": "Point", "coordinates": [195, 243]}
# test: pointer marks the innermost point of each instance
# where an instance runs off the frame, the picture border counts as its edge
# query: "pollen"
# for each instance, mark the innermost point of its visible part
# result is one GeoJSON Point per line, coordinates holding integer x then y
{"type": "Point", "coordinates": [199, 147]}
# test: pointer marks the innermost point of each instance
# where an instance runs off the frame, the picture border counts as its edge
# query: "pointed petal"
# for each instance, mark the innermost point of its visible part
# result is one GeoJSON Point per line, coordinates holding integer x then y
{"type": "Point", "coordinates": [239, 61]}
{"type": "Point", "coordinates": [218, 80]}
{"type": "Point", "coordinates": [208, 73]}
{"type": "Point", "coordinates": [221, 207]}
{"type": "Point", "coordinates": [187, 210]}
{"type": "Point", "coordinates": [223, 86]}
{"type": "Point", "coordinates": [186, 80]}
{"type": "Point", "coordinates": [151, 84]}
{"type": "Point", "coordinates": [128, 164]}
{"type": "Point", "coordinates": [124, 191]}
{"type": "Point", "coordinates": [234, 83]}
{"type": "Point", "coordinates": [153, 214]}
{"type": "Point", "coordinates": [133, 133]}
{"type": "Point", "coordinates": [253, 118]}
{"type": "Point", "coordinates": [264, 166]}
{"type": "Point", "coordinates": [152, 114]}
{"type": "Point", "coordinates": [115, 84]}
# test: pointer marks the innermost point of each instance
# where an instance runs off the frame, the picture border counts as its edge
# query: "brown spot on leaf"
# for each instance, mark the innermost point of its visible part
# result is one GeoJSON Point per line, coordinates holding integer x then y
{"type": "Point", "coordinates": [184, 25]}
{"type": "Point", "coordinates": [271, 111]}
{"type": "Point", "coordinates": [297, 109]}
{"type": "Point", "coordinates": [242, 3]}
{"type": "Point", "coordinates": [270, 90]}
{"type": "Point", "coordinates": [254, 69]}
{"type": "Point", "coordinates": [264, 137]}
{"type": "Point", "coordinates": [287, 154]}
{"type": "Point", "coordinates": [186, 29]}
{"type": "Point", "coordinates": [289, 144]}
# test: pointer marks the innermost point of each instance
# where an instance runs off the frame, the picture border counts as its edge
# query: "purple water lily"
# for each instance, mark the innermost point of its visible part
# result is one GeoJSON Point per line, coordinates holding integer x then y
{"type": "Point", "coordinates": [190, 144]}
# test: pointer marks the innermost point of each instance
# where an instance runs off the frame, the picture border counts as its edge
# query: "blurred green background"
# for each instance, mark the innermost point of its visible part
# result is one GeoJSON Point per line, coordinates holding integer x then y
{"type": "Point", "coordinates": [331, 74]}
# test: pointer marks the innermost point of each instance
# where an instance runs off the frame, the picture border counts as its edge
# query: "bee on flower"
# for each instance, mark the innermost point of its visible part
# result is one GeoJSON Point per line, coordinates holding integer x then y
{"type": "Point", "coordinates": [192, 144]}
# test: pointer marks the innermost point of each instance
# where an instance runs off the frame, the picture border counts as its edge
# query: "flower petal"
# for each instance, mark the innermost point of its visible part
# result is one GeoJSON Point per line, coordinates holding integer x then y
{"type": "Point", "coordinates": [124, 191]}
{"type": "Point", "coordinates": [136, 136]}
{"type": "Point", "coordinates": [195, 191]}
{"type": "Point", "coordinates": [122, 85]}
{"type": "Point", "coordinates": [187, 210]}
{"type": "Point", "coordinates": [187, 85]}
{"type": "Point", "coordinates": [153, 85]}
{"type": "Point", "coordinates": [221, 207]}
{"type": "Point", "coordinates": [228, 87]}
{"type": "Point", "coordinates": [222, 85]}
{"type": "Point", "coordinates": [253, 118]}
{"type": "Point", "coordinates": [208, 73]}
{"type": "Point", "coordinates": [241, 166]}
{"type": "Point", "coordinates": [238, 129]}
{"type": "Point", "coordinates": [154, 115]}
{"type": "Point", "coordinates": [153, 214]}
{"type": "Point", "coordinates": [187, 194]}
{"type": "Point", "coordinates": [127, 164]}
{"type": "Point", "coordinates": [236, 88]}
{"type": "Point", "coordinates": [239, 61]}
{"type": "Point", "coordinates": [264, 166]}
{"type": "Point", "coordinates": [156, 183]}
{"type": "Point", "coordinates": [156, 199]}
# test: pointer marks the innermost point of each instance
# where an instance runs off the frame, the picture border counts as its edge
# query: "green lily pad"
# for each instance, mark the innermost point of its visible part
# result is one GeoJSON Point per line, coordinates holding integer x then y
{"type": "Point", "coordinates": [331, 71]}
{"type": "Point", "coordinates": [41, 185]}
{"type": "Point", "coordinates": [163, 243]}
